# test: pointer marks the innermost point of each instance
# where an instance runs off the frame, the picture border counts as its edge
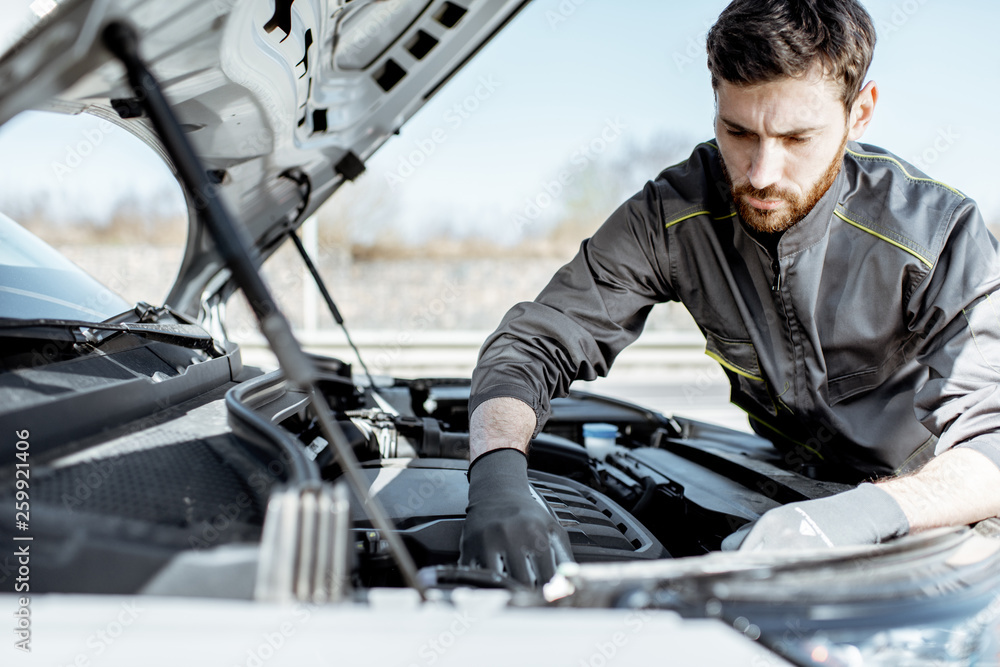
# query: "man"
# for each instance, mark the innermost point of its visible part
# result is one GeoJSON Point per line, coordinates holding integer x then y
{"type": "Point", "coordinates": [849, 298]}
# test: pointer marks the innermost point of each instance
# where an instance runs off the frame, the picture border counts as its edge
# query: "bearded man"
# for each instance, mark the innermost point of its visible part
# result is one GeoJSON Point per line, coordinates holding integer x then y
{"type": "Point", "coordinates": [850, 299]}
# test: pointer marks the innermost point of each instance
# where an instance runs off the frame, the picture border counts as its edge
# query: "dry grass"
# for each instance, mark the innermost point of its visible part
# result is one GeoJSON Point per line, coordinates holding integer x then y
{"type": "Point", "coordinates": [122, 229]}
{"type": "Point", "coordinates": [460, 249]}
{"type": "Point", "coordinates": [561, 242]}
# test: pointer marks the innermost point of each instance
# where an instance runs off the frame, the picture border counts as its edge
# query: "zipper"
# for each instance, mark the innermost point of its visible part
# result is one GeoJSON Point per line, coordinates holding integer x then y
{"type": "Point", "coordinates": [776, 270]}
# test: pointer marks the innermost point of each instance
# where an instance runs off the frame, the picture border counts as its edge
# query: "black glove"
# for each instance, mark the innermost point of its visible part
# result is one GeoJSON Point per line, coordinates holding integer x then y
{"type": "Point", "coordinates": [506, 528]}
{"type": "Point", "coordinates": [865, 515]}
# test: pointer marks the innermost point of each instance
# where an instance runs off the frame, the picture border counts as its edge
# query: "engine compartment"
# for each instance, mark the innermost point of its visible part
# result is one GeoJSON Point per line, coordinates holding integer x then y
{"type": "Point", "coordinates": [669, 488]}
{"type": "Point", "coordinates": [112, 511]}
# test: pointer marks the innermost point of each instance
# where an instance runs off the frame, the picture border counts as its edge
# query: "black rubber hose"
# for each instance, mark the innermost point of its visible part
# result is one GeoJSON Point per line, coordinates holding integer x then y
{"type": "Point", "coordinates": [648, 489]}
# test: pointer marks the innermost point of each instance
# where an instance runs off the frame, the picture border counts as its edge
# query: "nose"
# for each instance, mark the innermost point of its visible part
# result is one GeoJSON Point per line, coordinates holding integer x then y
{"type": "Point", "coordinates": [766, 165]}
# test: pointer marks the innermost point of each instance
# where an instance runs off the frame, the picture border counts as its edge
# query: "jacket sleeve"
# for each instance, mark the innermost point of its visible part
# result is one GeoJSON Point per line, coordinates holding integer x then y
{"type": "Point", "coordinates": [591, 309]}
{"type": "Point", "coordinates": [958, 309]}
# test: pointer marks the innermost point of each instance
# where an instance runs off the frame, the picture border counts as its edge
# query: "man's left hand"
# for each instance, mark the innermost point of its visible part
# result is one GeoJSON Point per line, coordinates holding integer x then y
{"type": "Point", "coordinates": [865, 515]}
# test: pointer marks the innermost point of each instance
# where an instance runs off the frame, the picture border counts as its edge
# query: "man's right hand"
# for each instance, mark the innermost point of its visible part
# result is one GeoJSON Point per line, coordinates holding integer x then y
{"type": "Point", "coordinates": [506, 528]}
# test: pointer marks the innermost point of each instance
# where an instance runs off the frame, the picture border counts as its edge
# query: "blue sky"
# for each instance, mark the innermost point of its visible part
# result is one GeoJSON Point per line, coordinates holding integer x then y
{"type": "Point", "coordinates": [642, 61]}
{"type": "Point", "coordinates": [569, 73]}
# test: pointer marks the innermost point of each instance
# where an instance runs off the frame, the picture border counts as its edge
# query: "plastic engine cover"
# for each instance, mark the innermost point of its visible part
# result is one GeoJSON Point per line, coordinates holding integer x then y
{"type": "Point", "coordinates": [426, 500]}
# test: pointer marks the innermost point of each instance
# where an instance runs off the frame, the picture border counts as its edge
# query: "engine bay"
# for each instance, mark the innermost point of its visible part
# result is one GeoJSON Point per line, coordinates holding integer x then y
{"type": "Point", "coordinates": [123, 504]}
{"type": "Point", "coordinates": [668, 487]}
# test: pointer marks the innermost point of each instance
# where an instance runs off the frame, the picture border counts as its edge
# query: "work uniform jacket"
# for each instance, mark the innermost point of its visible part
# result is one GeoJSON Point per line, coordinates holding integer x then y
{"type": "Point", "coordinates": [869, 341]}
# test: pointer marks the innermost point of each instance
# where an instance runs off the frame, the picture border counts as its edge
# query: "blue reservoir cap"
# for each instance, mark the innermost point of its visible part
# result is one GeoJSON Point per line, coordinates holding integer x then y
{"type": "Point", "coordinates": [600, 431]}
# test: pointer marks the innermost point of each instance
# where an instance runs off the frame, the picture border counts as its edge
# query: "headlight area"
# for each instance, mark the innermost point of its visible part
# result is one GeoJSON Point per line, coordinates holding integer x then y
{"type": "Point", "coordinates": [928, 599]}
{"type": "Point", "coordinates": [956, 644]}
{"type": "Point", "coordinates": [953, 633]}
{"type": "Point", "coordinates": [947, 615]}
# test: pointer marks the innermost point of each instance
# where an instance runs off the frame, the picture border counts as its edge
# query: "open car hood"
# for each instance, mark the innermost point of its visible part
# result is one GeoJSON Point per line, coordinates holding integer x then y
{"type": "Point", "coordinates": [283, 100]}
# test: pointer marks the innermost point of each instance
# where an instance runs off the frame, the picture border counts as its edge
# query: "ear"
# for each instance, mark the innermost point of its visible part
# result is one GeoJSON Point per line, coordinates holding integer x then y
{"type": "Point", "coordinates": [862, 111]}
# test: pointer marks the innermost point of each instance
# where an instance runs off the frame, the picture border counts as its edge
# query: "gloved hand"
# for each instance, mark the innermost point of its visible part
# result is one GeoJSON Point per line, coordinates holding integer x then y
{"type": "Point", "coordinates": [865, 515]}
{"type": "Point", "coordinates": [506, 528]}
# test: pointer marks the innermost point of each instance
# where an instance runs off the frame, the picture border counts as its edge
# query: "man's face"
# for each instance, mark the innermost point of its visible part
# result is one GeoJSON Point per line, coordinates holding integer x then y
{"type": "Point", "coordinates": [782, 146]}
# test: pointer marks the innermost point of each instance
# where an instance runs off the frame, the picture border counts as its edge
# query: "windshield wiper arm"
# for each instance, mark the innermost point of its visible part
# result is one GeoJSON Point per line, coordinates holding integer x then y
{"type": "Point", "coordinates": [182, 335]}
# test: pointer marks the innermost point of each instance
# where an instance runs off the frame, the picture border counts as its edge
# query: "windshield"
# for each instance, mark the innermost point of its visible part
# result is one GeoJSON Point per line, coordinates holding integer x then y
{"type": "Point", "coordinates": [37, 282]}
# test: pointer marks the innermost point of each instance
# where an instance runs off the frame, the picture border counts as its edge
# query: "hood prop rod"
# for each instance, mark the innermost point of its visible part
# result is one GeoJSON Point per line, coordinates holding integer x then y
{"type": "Point", "coordinates": [232, 243]}
{"type": "Point", "coordinates": [331, 306]}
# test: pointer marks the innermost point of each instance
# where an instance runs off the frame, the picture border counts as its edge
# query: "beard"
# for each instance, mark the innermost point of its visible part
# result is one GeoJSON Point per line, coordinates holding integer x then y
{"type": "Point", "coordinates": [796, 207]}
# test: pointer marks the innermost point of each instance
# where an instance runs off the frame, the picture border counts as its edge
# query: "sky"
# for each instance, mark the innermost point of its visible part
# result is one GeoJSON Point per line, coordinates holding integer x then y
{"type": "Point", "coordinates": [575, 82]}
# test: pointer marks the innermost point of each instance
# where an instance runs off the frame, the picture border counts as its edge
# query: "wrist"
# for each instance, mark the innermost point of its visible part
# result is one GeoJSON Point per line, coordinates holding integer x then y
{"type": "Point", "coordinates": [482, 451]}
{"type": "Point", "coordinates": [500, 423]}
{"type": "Point", "coordinates": [501, 461]}
{"type": "Point", "coordinates": [882, 509]}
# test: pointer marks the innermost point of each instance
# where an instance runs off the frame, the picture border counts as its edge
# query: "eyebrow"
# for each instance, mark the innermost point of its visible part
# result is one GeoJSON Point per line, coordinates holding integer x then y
{"type": "Point", "coordinates": [792, 133]}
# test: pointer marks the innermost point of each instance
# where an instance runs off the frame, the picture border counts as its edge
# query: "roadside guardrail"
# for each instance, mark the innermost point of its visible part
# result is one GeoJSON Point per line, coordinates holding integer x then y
{"type": "Point", "coordinates": [453, 353]}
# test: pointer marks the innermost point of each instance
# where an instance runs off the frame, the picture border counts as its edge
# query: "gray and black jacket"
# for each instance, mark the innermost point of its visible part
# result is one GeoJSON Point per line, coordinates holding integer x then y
{"type": "Point", "coordinates": [870, 341]}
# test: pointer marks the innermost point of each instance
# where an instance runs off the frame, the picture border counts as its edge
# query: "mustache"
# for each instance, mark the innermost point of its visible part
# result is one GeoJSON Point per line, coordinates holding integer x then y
{"type": "Point", "coordinates": [770, 192]}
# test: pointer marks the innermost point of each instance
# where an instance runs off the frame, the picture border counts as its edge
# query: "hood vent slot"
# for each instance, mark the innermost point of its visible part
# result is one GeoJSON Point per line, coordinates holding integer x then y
{"type": "Point", "coordinates": [450, 14]}
{"type": "Point", "coordinates": [421, 45]}
{"type": "Point", "coordinates": [390, 74]}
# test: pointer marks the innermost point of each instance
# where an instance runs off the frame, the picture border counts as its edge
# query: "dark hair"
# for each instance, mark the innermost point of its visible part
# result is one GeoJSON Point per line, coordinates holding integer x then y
{"type": "Point", "coordinates": [758, 41]}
